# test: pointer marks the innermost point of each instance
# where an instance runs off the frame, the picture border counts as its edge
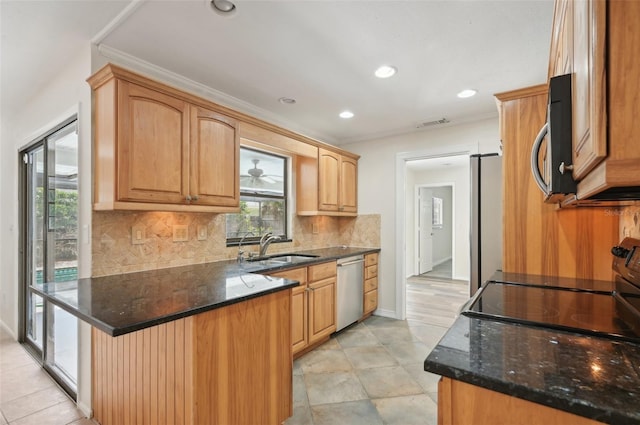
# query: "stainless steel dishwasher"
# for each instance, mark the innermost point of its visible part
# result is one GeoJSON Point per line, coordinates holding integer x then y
{"type": "Point", "coordinates": [350, 290]}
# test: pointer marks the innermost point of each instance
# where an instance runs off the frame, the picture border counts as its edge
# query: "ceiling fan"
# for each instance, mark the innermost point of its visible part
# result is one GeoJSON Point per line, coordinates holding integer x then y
{"type": "Point", "coordinates": [256, 175]}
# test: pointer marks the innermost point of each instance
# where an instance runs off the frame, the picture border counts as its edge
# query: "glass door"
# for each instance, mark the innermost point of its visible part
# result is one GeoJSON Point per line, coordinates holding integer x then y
{"type": "Point", "coordinates": [49, 209]}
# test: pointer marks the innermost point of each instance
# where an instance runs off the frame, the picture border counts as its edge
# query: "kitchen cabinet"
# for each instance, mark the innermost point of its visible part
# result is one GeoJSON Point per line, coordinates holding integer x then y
{"type": "Point", "coordinates": [540, 238]}
{"type": "Point", "coordinates": [230, 365]}
{"type": "Point", "coordinates": [592, 39]}
{"type": "Point", "coordinates": [337, 182]}
{"type": "Point", "coordinates": [370, 284]}
{"type": "Point", "coordinates": [462, 403]}
{"type": "Point", "coordinates": [157, 149]}
{"type": "Point", "coordinates": [299, 308]}
{"type": "Point", "coordinates": [313, 306]}
{"type": "Point", "coordinates": [327, 185]}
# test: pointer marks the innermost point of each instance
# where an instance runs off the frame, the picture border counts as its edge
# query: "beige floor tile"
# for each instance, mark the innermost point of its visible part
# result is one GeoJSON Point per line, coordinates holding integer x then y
{"type": "Point", "coordinates": [301, 416]}
{"type": "Point", "coordinates": [361, 337]}
{"type": "Point", "coordinates": [320, 361]}
{"type": "Point", "coordinates": [409, 352]}
{"type": "Point", "coordinates": [3, 421]}
{"type": "Point", "coordinates": [332, 344]}
{"type": "Point", "coordinates": [384, 322]}
{"type": "Point", "coordinates": [428, 381]}
{"type": "Point", "coordinates": [62, 413]}
{"type": "Point", "coordinates": [12, 355]}
{"type": "Point", "coordinates": [353, 413]}
{"type": "Point", "coordinates": [393, 335]}
{"type": "Point", "coordinates": [83, 421]}
{"type": "Point", "coordinates": [369, 357]}
{"type": "Point", "coordinates": [23, 380]}
{"type": "Point", "coordinates": [388, 382]}
{"type": "Point", "coordinates": [428, 334]}
{"type": "Point", "coordinates": [32, 403]}
{"type": "Point", "coordinates": [407, 410]}
{"type": "Point", "coordinates": [299, 392]}
{"type": "Point", "coordinates": [336, 387]}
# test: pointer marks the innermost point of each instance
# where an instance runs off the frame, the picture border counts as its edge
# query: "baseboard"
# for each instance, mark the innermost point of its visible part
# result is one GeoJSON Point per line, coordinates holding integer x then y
{"type": "Point", "coordinates": [8, 330]}
{"type": "Point", "coordinates": [444, 260]}
{"type": "Point", "coordinates": [88, 412]}
{"type": "Point", "coordinates": [391, 314]}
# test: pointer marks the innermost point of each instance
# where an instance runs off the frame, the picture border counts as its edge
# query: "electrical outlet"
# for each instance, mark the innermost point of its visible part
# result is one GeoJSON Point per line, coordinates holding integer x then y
{"type": "Point", "coordinates": [138, 235]}
{"type": "Point", "coordinates": [180, 233]}
{"type": "Point", "coordinates": [202, 232]}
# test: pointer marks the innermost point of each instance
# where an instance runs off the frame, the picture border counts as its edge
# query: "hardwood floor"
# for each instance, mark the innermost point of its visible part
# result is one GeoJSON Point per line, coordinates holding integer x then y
{"type": "Point", "coordinates": [435, 301]}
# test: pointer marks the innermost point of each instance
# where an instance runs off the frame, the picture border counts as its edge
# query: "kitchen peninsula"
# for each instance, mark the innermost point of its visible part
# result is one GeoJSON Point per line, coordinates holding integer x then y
{"type": "Point", "coordinates": [204, 343]}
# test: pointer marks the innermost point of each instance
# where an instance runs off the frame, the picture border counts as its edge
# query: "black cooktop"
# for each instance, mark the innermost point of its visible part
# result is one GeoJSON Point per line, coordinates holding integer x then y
{"type": "Point", "coordinates": [561, 308]}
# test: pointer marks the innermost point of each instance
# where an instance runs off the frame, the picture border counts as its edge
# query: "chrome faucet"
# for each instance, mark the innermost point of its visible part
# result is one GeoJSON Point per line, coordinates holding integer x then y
{"type": "Point", "coordinates": [240, 251]}
{"type": "Point", "coordinates": [265, 241]}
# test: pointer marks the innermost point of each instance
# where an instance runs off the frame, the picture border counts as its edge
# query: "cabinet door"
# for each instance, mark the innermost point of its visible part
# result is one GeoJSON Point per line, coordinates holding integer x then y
{"type": "Point", "coordinates": [328, 172]}
{"type": "Point", "coordinates": [299, 303]}
{"type": "Point", "coordinates": [348, 185]}
{"type": "Point", "coordinates": [152, 145]}
{"type": "Point", "coordinates": [299, 307]}
{"type": "Point", "coordinates": [215, 155]}
{"type": "Point", "coordinates": [322, 309]}
{"type": "Point", "coordinates": [588, 91]}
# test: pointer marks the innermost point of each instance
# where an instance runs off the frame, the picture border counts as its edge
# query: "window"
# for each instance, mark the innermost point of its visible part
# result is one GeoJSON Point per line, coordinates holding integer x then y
{"type": "Point", "coordinates": [263, 197]}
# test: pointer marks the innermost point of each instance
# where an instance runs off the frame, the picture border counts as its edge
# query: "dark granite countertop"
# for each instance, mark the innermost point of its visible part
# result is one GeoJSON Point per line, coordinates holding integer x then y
{"type": "Point", "coordinates": [589, 376]}
{"type": "Point", "coordinates": [124, 303]}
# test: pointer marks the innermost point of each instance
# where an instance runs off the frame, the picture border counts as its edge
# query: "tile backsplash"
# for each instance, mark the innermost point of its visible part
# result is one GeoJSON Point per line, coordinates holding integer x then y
{"type": "Point", "coordinates": [113, 252]}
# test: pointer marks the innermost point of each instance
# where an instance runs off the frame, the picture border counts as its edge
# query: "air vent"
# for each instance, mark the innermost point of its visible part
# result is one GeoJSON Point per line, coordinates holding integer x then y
{"type": "Point", "coordinates": [434, 122]}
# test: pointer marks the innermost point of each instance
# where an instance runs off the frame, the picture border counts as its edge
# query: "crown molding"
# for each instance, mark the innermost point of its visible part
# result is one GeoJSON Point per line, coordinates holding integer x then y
{"type": "Point", "coordinates": [181, 82]}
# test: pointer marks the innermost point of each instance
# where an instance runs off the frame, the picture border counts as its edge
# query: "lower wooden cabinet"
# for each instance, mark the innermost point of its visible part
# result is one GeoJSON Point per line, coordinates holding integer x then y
{"type": "Point", "coordinates": [313, 304]}
{"type": "Point", "coordinates": [462, 403]}
{"type": "Point", "coordinates": [370, 284]}
{"type": "Point", "coordinates": [231, 365]}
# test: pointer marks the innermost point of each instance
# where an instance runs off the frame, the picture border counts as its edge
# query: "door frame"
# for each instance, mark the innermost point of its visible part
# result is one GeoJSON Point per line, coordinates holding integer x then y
{"type": "Point", "coordinates": [23, 252]}
{"type": "Point", "coordinates": [451, 214]}
{"type": "Point", "coordinates": [401, 240]}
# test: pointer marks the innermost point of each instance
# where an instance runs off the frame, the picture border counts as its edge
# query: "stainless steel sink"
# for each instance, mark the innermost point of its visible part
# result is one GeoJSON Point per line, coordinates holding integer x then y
{"type": "Point", "coordinates": [283, 258]}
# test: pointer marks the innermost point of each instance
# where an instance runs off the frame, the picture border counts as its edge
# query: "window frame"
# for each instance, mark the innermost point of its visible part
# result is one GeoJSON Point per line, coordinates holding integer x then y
{"type": "Point", "coordinates": [254, 240]}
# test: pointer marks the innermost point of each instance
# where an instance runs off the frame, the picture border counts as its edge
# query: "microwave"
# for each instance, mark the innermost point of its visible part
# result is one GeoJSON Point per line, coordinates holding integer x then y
{"type": "Point", "coordinates": [555, 177]}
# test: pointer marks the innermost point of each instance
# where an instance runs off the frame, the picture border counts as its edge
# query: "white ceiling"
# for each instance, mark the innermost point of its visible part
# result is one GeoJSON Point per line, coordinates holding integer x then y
{"type": "Point", "coordinates": [321, 53]}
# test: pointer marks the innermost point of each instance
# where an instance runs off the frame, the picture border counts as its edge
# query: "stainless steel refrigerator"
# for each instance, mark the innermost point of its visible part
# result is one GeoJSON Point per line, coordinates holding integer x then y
{"type": "Point", "coordinates": [486, 218]}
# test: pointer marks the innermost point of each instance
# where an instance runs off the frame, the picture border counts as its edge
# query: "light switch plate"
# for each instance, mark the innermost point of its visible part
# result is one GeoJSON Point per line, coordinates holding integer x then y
{"type": "Point", "coordinates": [138, 235]}
{"type": "Point", "coordinates": [202, 232]}
{"type": "Point", "coordinates": [180, 233]}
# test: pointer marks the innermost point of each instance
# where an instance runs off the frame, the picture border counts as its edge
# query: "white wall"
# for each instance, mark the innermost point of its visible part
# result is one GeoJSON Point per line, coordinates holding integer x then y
{"type": "Point", "coordinates": [59, 99]}
{"type": "Point", "coordinates": [455, 241]}
{"type": "Point", "coordinates": [377, 185]}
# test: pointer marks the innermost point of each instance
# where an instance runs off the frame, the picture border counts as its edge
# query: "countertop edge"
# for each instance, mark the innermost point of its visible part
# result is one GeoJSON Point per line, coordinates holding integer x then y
{"type": "Point", "coordinates": [526, 393]}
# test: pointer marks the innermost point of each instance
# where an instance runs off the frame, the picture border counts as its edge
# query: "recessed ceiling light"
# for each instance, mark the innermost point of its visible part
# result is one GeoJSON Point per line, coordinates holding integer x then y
{"type": "Point", "coordinates": [467, 93]}
{"type": "Point", "coordinates": [346, 114]}
{"type": "Point", "coordinates": [223, 7]}
{"type": "Point", "coordinates": [287, 100]}
{"type": "Point", "coordinates": [386, 71]}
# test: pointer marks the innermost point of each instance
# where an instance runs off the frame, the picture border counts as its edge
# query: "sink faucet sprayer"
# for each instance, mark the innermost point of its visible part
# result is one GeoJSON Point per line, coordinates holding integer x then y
{"type": "Point", "coordinates": [240, 251]}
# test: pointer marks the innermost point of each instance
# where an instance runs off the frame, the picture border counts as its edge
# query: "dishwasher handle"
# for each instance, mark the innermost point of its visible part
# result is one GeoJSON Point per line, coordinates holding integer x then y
{"type": "Point", "coordinates": [350, 263]}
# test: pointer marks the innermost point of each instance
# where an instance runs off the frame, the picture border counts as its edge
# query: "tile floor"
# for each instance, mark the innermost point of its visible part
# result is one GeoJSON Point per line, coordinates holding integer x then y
{"type": "Point", "coordinates": [369, 374]}
{"type": "Point", "coordinates": [27, 394]}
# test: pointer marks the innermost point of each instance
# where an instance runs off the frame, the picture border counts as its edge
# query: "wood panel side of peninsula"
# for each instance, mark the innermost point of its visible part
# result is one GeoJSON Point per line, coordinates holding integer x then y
{"type": "Point", "coordinates": [228, 365]}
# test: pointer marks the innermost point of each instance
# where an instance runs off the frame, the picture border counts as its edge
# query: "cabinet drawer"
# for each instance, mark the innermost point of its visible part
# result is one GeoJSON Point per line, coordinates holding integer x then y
{"type": "Point", "coordinates": [370, 284]}
{"type": "Point", "coordinates": [322, 271]}
{"type": "Point", "coordinates": [370, 259]}
{"type": "Point", "coordinates": [295, 274]}
{"type": "Point", "coordinates": [370, 301]}
{"type": "Point", "coordinates": [371, 272]}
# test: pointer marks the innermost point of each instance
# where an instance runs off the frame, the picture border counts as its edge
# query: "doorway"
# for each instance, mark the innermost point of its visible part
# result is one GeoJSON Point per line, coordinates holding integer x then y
{"type": "Point", "coordinates": [434, 199]}
{"type": "Point", "coordinates": [49, 249]}
{"type": "Point", "coordinates": [434, 231]}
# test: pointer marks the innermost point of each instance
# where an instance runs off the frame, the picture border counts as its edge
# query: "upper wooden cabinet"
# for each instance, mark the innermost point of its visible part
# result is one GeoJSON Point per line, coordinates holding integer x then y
{"type": "Point", "coordinates": [327, 185]}
{"type": "Point", "coordinates": [597, 42]}
{"type": "Point", "coordinates": [158, 150]}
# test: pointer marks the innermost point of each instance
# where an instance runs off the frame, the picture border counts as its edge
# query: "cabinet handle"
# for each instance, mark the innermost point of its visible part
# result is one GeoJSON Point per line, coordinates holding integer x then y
{"type": "Point", "coordinates": [194, 198]}
{"type": "Point", "coordinates": [188, 198]}
{"type": "Point", "coordinates": [310, 289]}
